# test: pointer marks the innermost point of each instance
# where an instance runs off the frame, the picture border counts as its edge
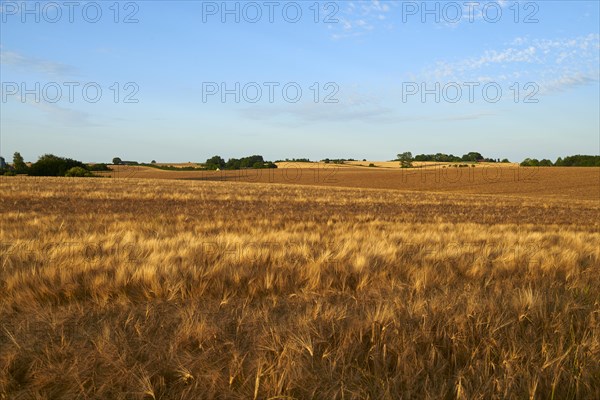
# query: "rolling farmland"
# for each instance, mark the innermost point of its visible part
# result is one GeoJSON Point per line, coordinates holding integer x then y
{"type": "Point", "coordinates": [510, 180]}
{"type": "Point", "coordinates": [337, 200]}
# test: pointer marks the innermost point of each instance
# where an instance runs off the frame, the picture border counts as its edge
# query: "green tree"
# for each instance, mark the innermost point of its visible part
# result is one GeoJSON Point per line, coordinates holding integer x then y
{"type": "Point", "coordinates": [581, 161]}
{"type": "Point", "coordinates": [405, 159]}
{"type": "Point", "coordinates": [233, 163]}
{"type": "Point", "coordinates": [117, 161]}
{"type": "Point", "coordinates": [251, 161]}
{"type": "Point", "coordinates": [530, 162]}
{"type": "Point", "coordinates": [215, 162]}
{"type": "Point", "coordinates": [472, 156]}
{"type": "Point", "coordinates": [19, 163]}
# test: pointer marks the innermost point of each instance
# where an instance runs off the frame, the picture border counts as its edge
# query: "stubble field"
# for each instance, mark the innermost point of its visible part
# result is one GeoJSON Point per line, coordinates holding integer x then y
{"type": "Point", "coordinates": [555, 182]}
{"type": "Point", "coordinates": [216, 288]}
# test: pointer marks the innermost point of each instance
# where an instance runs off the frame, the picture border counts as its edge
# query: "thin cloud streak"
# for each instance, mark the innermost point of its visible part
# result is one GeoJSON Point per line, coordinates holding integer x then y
{"type": "Point", "coordinates": [31, 64]}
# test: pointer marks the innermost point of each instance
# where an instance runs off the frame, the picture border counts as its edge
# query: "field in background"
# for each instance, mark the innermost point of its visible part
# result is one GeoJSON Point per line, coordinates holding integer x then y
{"type": "Point", "coordinates": [565, 182]}
{"type": "Point", "coordinates": [424, 164]}
{"type": "Point", "coordinates": [349, 164]}
{"type": "Point", "coordinates": [170, 289]}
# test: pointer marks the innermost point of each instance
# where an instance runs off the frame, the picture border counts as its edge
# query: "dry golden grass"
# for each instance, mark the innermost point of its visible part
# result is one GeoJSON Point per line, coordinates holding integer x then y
{"type": "Point", "coordinates": [164, 289]}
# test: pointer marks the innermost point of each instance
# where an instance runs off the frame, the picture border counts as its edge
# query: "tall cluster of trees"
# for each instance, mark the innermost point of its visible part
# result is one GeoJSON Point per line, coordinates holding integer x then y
{"type": "Point", "coordinates": [534, 162]}
{"type": "Point", "coordinates": [406, 159]}
{"type": "Point", "coordinates": [578, 161]}
{"type": "Point", "coordinates": [569, 161]}
{"type": "Point", "coordinates": [19, 164]}
{"type": "Point", "coordinates": [472, 156]}
{"type": "Point", "coordinates": [256, 162]}
{"type": "Point", "coordinates": [294, 160]}
{"type": "Point", "coordinates": [52, 165]}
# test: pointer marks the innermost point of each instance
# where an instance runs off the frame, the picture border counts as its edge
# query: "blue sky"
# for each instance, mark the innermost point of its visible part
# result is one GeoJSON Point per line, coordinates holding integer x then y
{"type": "Point", "coordinates": [378, 67]}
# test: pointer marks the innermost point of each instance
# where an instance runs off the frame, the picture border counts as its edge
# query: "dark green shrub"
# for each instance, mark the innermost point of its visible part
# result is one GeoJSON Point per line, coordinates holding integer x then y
{"type": "Point", "coordinates": [98, 167]}
{"type": "Point", "coordinates": [78, 172]}
{"type": "Point", "coordinates": [51, 165]}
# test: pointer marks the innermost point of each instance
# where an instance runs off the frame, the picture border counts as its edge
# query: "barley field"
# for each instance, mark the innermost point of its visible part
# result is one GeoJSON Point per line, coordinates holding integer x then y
{"type": "Point", "coordinates": [135, 288]}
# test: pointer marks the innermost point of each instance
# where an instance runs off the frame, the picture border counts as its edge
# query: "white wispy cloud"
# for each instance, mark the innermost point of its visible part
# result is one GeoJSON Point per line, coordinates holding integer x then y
{"type": "Point", "coordinates": [444, 69]}
{"type": "Point", "coordinates": [26, 63]}
{"type": "Point", "coordinates": [365, 111]}
{"type": "Point", "coordinates": [465, 117]}
{"type": "Point", "coordinates": [357, 18]}
{"type": "Point", "coordinates": [555, 64]}
{"type": "Point", "coordinates": [474, 11]}
{"type": "Point", "coordinates": [55, 112]}
{"type": "Point", "coordinates": [63, 115]}
{"type": "Point", "coordinates": [308, 113]}
{"type": "Point", "coordinates": [567, 82]}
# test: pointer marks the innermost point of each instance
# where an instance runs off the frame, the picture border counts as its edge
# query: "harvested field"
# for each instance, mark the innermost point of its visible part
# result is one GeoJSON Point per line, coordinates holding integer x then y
{"type": "Point", "coordinates": [201, 288]}
{"type": "Point", "coordinates": [566, 183]}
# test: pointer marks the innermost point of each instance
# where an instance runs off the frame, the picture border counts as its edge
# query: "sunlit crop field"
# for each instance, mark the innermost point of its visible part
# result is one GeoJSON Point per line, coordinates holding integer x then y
{"type": "Point", "coordinates": [208, 288]}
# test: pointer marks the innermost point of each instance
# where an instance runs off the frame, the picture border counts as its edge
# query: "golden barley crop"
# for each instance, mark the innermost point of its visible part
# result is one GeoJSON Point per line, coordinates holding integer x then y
{"type": "Point", "coordinates": [195, 289]}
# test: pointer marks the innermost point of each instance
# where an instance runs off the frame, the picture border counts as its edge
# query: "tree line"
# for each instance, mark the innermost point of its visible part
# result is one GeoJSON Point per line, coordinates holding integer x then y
{"type": "Point", "coordinates": [211, 164]}
{"type": "Point", "coordinates": [52, 165]}
{"type": "Point", "coordinates": [406, 159]}
{"type": "Point", "coordinates": [472, 156]}
{"type": "Point", "coordinates": [254, 162]}
{"type": "Point", "coordinates": [569, 161]}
